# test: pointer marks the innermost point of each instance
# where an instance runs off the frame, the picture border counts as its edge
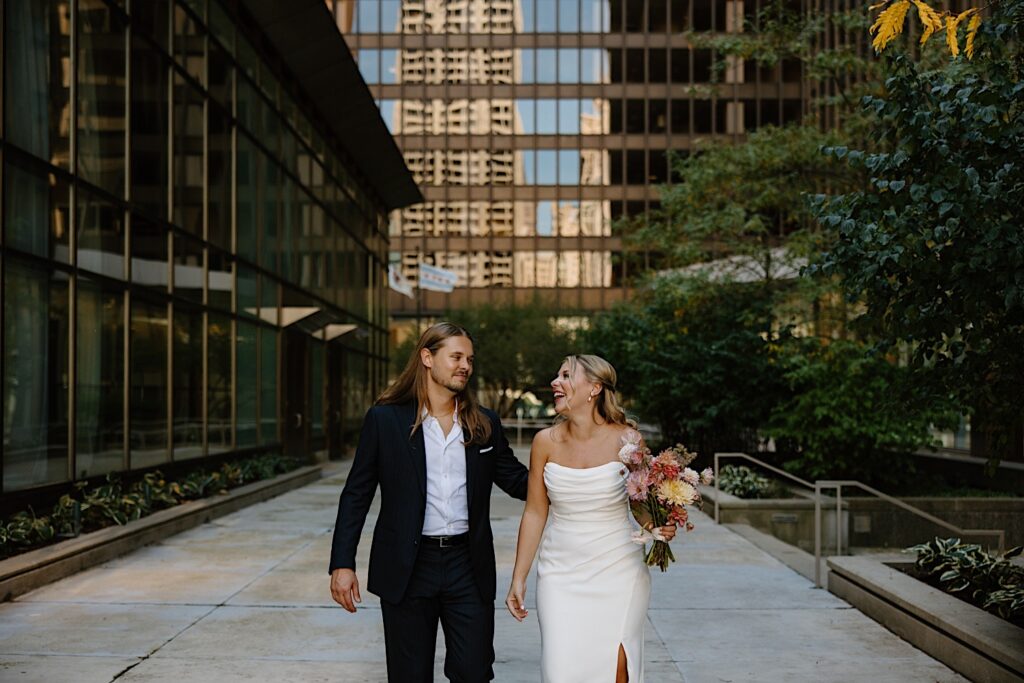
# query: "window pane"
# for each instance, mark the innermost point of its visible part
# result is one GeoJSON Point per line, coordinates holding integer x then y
{"type": "Point", "coordinates": [547, 65]}
{"type": "Point", "coordinates": [148, 439]}
{"type": "Point", "coordinates": [547, 117]}
{"type": "Point", "coordinates": [569, 65]}
{"type": "Point", "coordinates": [594, 65]}
{"type": "Point", "coordinates": [150, 129]}
{"type": "Point", "coordinates": [389, 66]}
{"type": "Point", "coordinates": [268, 385]}
{"type": "Point", "coordinates": [35, 383]}
{"type": "Point", "coordinates": [546, 220]}
{"type": "Point", "coordinates": [187, 388]}
{"type": "Point", "coordinates": [100, 236]}
{"type": "Point", "coordinates": [547, 167]}
{"type": "Point", "coordinates": [568, 16]}
{"type": "Point", "coordinates": [188, 157]}
{"type": "Point", "coordinates": [221, 282]}
{"type": "Point", "coordinates": [245, 397]}
{"type": "Point", "coordinates": [188, 268]}
{"type": "Point", "coordinates": [367, 19]}
{"type": "Point", "coordinates": [568, 167]}
{"type": "Point", "coordinates": [316, 389]}
{"type": "Point", "coordinates": [547, 16]}
{"type": "Point", "coordinates": [369, 65]}
{"type": "Point", "coordinates": [101, 96]}
{"type": "Point", "coordinates": [36, 79]}
{"type": "Point", "coordinates": [569, 117]}
{"type": "Point", "coordinates": [99, 354]}
{"type": "Point", "coordinates": [247, 206]}
{"type": "Point", "coordinates": [219, 181]}
{"type": "Point", "coordinates": [218, 395]}
{"type": "Point", "coordinates": [149, 253]}
{"type": "Point", "coordinates": [36, 213]}
{"type": "Point", "coordinates": [188, 44]}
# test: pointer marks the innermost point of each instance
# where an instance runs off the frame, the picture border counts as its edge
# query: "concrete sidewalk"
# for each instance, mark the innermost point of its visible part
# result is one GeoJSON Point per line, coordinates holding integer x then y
{"type": "Point", "coordinates": [246, 598]}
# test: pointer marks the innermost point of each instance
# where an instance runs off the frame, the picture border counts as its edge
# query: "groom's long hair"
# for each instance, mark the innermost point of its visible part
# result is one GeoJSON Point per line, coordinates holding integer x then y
{"type": "Point", "coordinates": [411, 386]}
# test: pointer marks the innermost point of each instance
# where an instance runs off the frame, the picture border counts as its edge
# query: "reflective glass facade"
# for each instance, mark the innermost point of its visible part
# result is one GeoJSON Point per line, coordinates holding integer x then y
{"type": "Point", "coordinates": [189, 265]}
{"type": "Point", "coordinates": [533, 125]}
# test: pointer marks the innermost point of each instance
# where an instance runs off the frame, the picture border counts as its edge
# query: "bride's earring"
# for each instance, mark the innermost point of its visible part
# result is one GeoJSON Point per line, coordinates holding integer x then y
{"type": "Point", "coordinates": [590, 398]}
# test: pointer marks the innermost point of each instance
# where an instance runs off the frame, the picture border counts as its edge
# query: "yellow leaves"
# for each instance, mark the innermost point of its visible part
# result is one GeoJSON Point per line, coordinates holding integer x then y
{"type": "Point", "coordinates": [889, 24]}
{"type": "Point", "coordinates": [951, 26]}
{"type": "Point", "coordinates": [931, 20]}
{"type": "Point", "coordinates": [972, 31]}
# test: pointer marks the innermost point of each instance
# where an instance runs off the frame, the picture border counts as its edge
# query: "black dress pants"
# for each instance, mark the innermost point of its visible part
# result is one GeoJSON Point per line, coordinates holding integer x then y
{"type": "Point", "coordinates": [441, 588]}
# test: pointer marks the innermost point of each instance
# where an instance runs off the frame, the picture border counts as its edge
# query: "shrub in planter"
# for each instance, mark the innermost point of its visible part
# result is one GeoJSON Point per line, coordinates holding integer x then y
{"type": "Point", "coordinates": [743, 482]}
{"type": "Point", "coordinates": [965, 570]}
{"type": "Point", "coordinates": [112, 502]}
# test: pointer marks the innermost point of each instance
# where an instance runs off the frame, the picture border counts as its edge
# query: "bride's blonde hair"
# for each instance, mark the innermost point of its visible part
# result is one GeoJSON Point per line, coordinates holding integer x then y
{"type": "Point", "coordinates": [599, 370]}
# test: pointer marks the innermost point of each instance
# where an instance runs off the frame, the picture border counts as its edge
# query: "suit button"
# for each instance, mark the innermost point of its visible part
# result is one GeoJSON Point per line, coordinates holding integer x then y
{"type": "Point", "coordinates": [415, 542]}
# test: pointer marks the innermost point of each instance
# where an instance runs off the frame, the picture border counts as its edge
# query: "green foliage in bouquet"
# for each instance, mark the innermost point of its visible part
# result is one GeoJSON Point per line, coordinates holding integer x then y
{"type": "Point", "coordinates": [993, 583]}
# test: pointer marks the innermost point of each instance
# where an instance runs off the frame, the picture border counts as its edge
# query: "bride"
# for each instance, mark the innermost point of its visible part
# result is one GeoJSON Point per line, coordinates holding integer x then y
{"type": "Point", "coordinates": [593, 587]}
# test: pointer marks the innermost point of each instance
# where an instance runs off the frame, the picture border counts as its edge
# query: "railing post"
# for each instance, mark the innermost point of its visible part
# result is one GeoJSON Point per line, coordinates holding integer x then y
{"type": "Point", "coordinates": [717, 490]}
{"type": "Point", "coordinates": [839, 520]}
{"type": "Point", "coordinates": [817, 534]}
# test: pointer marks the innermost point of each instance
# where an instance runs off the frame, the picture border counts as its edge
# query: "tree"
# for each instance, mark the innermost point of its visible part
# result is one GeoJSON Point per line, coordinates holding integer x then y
{"type": "Point", "coordinates": [518, 349]}
{"type": "Point", "coordinates": [933, 245]}
{"type": "Point", "coordinates": [694, 359]}
{"type": "Point", "coordinates": [851, 413]}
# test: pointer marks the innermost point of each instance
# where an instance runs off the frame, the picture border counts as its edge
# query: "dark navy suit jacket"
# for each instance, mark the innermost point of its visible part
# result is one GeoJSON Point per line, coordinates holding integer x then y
{"type": "Point", "coordinates": [388, 457]}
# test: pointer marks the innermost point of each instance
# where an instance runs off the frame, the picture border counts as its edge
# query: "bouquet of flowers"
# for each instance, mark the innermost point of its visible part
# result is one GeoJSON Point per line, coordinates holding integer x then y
{"type": "Point", "coordinates": [659, 488]}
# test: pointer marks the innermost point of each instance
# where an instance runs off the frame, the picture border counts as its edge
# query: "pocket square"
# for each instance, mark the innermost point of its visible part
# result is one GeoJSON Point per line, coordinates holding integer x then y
{"type": "Point", "coordinates": [489, 448]}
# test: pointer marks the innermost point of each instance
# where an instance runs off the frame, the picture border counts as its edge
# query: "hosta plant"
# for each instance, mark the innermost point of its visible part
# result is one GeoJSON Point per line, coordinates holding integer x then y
{"type": "Point", "coordinates": [994, 583]}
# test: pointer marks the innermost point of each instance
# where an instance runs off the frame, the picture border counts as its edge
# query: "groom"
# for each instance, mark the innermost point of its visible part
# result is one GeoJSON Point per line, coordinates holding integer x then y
{"type": "Point", "coordinates": [435, 454]}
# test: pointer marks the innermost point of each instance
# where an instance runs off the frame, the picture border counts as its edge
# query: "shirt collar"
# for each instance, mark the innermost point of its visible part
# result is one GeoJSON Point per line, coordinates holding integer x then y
{"type": "Point", "coordinates": [425, 415]}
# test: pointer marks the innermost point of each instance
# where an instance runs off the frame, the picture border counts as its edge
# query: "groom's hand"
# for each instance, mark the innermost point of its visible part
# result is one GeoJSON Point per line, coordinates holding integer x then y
{"type": "Point", "coordinates": [345, 588]}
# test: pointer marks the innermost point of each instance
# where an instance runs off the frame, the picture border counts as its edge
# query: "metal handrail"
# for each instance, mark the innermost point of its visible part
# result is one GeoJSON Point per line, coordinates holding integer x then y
{"type": "Point", "coordinates": [744, 456]}
{"type": "Point", "coordinates": [838, 485]}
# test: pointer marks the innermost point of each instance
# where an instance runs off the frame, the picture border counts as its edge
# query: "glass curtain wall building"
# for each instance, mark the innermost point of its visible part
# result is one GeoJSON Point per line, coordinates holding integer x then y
{"type": "Point", "coordinates": [193, 256]}
{"type": "Point", "coordinates": [531, 126]}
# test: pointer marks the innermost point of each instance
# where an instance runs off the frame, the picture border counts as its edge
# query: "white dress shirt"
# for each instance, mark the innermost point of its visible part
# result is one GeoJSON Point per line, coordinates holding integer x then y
{"type": "Point", "coordinates": [447, 511]}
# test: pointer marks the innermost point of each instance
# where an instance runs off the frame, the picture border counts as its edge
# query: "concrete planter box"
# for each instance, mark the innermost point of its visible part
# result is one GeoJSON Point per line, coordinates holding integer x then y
{"type": "Point", "coordinates": [973, 642]}
{"type": "Point", "coordinates": [791, 520]}
{"type": "Point", "coordinates": [28, 571]}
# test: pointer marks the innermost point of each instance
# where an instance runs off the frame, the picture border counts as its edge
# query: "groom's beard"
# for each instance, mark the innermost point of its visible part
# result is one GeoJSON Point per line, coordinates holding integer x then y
{"type": "Point", "coordinates": [455, 384]}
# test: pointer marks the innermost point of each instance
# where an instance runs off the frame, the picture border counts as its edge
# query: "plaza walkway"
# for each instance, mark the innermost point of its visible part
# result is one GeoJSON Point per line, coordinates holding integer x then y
{"type": "Point", "coordinates": [245, 598]}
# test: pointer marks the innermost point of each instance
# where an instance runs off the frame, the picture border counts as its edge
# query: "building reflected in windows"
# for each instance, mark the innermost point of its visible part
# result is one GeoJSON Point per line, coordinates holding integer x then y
{"type": "Point", "coordinates": [532, 126]}
{"type": "Point", "coordinates": [181, 242]}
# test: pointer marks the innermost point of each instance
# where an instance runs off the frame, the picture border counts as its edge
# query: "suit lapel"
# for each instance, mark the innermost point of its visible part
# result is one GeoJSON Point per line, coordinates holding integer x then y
{"type": "Point", "coordinates": [416, 446]}
{"type": "Point", "coordinates": [472, 461]}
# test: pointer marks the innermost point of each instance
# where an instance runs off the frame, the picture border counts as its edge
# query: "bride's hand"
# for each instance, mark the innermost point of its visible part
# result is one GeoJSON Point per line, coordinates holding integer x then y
{"type": "Point", "coordinates": [516, 600]}
{"type": "Point", "coordinates": [664, 533]}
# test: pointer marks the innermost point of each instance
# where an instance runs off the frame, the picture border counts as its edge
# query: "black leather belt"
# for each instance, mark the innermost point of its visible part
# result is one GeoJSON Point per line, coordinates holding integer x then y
{"type": "Point", "coordinates": [446, 541]}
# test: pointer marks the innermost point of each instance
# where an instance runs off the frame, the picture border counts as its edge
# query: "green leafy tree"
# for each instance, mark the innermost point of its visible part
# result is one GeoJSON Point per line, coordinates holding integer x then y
{"type": "Point", "coordinates": [852, 414]}
{"type": "Point", "coordinates": [933, 244]}
{"type": "Point", "coordinates": [693, 358]}
{"type": "Point", "coordinates": [518, 349]}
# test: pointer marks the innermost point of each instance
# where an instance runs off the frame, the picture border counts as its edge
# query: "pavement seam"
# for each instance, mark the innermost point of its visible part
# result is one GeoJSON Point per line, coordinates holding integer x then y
{"type": "Point", "coordinates": [214, 608]}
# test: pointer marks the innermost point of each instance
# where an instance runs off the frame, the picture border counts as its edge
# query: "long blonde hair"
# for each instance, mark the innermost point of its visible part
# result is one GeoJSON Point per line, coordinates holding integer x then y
{"type": "Point", "coordinates": [599, 370]}
{"type": "Point", "coordinates": [411, 386]}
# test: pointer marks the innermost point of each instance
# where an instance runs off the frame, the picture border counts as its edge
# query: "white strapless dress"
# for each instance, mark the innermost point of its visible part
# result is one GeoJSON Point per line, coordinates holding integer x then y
{"type": "Point", "coordinates": [593, 588]}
